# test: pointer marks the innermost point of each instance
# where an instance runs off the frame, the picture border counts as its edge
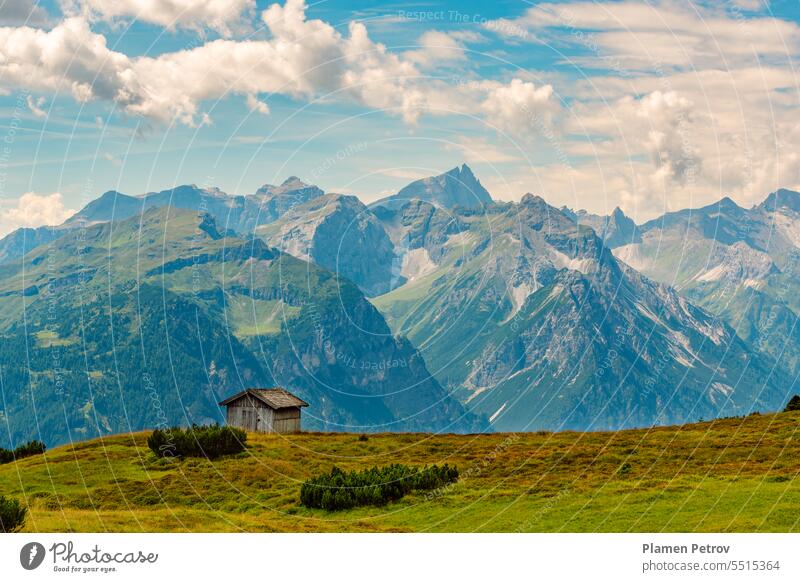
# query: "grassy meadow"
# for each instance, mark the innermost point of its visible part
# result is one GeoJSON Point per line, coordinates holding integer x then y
{"type": "Point", "coordinates": [731, 475]}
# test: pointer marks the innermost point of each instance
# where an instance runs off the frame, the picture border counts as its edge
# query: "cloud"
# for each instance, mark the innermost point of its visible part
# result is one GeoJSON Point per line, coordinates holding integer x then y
{"type": "Point", "coordinates": [669, 135]}
{"type": "Point", "coordinates": [437, 48]}
{"type": "Point", "coordinates": [677, 100]}
{"type": "Point", "coordinates": [303, 59]}
{"type": "Point", "coordinates": [32, 210]}
{"type": "Point", "coordinates": [253, 104]}
{"type": "Point", "coordinates": [520, 107]}
{"type": "Point", "coordinates": [752, 5]}
{"type": "Point", "coordinates": [481, 151]}
{"type": "Point", "coordinates": [642, 35]}
{"type": "Point", "coordinates": [115, 161]}
{"type": "Point", "coordinates": [70, 57]}
{"type": "Point", "coordinates": [35, 105]}
{"type": "Point", "coordinates": [661, 124]}
{"type": "Point", "coordinates": [223, 16]}
{"type": "Point", "coordinates": [678, 104]}
{"type": "Point", "coordinates": [22, 12]}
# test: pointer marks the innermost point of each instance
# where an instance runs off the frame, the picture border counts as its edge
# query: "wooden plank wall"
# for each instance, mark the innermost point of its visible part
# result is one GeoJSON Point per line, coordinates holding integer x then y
{"type": "Point", "coordinates": [254, 416]}
{"type": "Point", "coordinates": [287, 420]}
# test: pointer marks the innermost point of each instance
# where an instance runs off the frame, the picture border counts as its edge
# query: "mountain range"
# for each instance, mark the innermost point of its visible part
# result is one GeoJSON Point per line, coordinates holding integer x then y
{"type": "Point", "coordinates": [156, 318]}
{"type": "Point", "coordinates": [435, 309]}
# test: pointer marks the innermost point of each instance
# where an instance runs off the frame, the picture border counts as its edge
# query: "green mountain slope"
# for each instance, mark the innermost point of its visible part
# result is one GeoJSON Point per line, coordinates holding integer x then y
{"type": "Point", "coordinates": [240, 214]}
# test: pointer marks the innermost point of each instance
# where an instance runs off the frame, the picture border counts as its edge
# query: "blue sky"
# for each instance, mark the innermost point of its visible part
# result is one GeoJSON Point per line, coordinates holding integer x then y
{"type": "Point", "coordinates": [650, 106]}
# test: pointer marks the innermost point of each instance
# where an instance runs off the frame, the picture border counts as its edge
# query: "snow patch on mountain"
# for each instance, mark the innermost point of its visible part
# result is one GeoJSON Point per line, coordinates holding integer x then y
{"type": "Point", "coordinates": [498, 411]}
{"type": "Point", "coordinates": [719, 389]}
{"type": "Point", "coordinates": [416, 263]}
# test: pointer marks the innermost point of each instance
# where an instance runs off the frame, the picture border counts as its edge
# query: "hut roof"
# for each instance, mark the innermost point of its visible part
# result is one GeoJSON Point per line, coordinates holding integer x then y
{"type": "Point", "coordinates": [275, 398]}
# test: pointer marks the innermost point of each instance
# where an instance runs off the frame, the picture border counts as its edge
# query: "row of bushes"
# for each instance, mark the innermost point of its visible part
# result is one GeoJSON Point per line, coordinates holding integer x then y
{"type": "Point", "coordinates": [209, 441]}
{"type": "Point", "coordinates": [27, 450]}
{"type": "Point", "coordinates": [376, 486]}
{"type": "Point", "coordinates": [12, 515]}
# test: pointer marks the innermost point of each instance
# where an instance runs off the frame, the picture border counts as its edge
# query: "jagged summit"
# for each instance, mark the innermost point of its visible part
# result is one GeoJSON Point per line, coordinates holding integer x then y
{"type": "Point", "coordinates": [457, 187]}
{"type": "Point", "coordinates": [616, 229]}
{"type": "Point", "coordinates": [533, 200]}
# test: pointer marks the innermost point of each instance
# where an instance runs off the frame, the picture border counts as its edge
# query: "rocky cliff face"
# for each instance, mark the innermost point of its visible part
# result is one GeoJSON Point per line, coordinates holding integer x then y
{"type": "Point", "coordinates": [339, 233]}
{"type": "Point", "coordinates": [275, 201]}
{"type": "Point", "coordinates": [740, 264]}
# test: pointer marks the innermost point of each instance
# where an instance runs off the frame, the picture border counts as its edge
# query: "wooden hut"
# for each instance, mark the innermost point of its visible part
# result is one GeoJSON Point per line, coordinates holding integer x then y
{"type": "Point", "coordinates": [272, 410]}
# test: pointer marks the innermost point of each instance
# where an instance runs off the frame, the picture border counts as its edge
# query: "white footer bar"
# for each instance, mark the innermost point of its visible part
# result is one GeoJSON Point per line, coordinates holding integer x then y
{"type": "Point", "coordinates": [401, 557]}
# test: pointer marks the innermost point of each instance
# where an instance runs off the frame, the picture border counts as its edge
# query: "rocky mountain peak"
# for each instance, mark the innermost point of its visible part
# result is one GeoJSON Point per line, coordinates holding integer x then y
{"type": "Point", "coordinates": [456, 187]}
{"type": "Point", "coordinates": [534, 200]}
{"type": "Point", "coordinates": [294, 183]}
{"type": "Point", "coordinates": [782, 198]}
{"type": "Point", "coordinates": [728, 203]}
{"type": "Point", "coordinates": [290, 184]}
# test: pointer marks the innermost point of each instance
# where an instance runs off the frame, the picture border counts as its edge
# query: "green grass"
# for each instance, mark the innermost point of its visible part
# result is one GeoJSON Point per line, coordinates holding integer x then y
{"type": "Point", "coordinates": [254, 317]}
{"type": "Point", "coordinates": [729, 475]}
{"type": "Point", "coordinates": [49, 339]}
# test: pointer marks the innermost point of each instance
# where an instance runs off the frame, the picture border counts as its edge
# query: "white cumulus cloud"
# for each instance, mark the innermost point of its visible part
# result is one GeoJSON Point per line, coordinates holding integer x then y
{"type": "Point", "coordinates": [520, 107]}
{"type": "Point", "coordinates": [223, 16]}
{"type": "Point", "coordinates": [303, 58]}
{"type": "Point", "coordinates": [32, 210]}
{"type": "Point", "coordinates": [22, 12]}
{"type": "Point", "coordinates": [436, 47]}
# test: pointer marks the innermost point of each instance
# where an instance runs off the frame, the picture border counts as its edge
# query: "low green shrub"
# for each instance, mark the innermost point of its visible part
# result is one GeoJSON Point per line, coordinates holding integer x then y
{"type": "Point", "coordinates": [12, 515]}
{"type": "Point", "coordinates": [376, 486]}
{"type": "Point", "coordinates": [27, 450]}
{"type": "Point", "coordinates": [209, 441]}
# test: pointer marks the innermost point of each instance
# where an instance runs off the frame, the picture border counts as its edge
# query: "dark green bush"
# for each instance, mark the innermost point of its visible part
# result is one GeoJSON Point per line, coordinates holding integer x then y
{"type": "Point", "coordinates": [12, 515]}
{"type": "Point", "coordinates": [376, 486]}
{"type": "Point", "coordinates": [27, 450]}
{"type": "Point", "coordinates": [794, 404]}
{"type": "Point", "coordinates": [210, 441]}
